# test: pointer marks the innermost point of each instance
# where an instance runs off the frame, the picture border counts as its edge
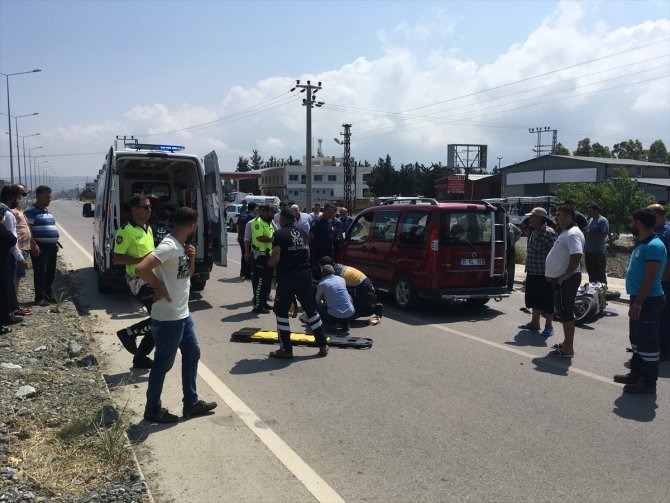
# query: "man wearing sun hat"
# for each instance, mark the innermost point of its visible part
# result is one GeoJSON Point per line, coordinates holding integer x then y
{"type": "Point", "coordinates": [539, 295]}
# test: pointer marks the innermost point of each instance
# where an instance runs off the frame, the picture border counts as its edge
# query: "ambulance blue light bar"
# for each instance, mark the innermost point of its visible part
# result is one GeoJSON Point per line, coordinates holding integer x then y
{"type": "Point", "coordinates": [151, 146]}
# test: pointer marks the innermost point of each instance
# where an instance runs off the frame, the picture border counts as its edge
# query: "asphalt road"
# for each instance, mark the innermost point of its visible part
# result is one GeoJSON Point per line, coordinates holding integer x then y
{"type": "Point", "coordinates": [450, 404]}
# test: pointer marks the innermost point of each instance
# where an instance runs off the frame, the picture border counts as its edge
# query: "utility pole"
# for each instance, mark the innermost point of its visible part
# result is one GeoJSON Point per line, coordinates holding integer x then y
{"type": "Point", "coordinates": [349, 198]}
{"type": "Point", "coordinates": [539, 148]}
{"type": "Point", "coordinates": [308, 102]}
{"type": "Point", "coordinates": [499, 159]}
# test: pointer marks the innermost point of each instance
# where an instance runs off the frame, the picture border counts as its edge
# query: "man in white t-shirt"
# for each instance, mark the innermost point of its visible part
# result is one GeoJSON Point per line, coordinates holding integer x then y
{"type": "Point", "coordinates": [169, 269]}
{"type": "Point", "coordinates": [563, 271]}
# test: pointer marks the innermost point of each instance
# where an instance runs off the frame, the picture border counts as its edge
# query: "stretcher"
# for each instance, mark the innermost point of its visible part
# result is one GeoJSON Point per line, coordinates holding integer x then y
{"type": "Point", "coordinates": [261, 336]}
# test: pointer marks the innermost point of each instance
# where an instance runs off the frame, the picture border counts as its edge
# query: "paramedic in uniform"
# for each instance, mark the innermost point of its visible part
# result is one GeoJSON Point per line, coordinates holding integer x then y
{"type": "Point", "coordinates": [134, 241]}
{"type": "Point", "coordinates": [261, 248]}
{"type": "Point", "coordinates": [290, 254]}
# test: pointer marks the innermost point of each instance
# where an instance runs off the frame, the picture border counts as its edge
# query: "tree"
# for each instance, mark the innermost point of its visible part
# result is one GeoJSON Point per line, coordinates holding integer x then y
{"type": "Point", "coordinates": [631, 149]}
{"type": "Point", "coordinates": [599, 151]}
{"type": "Point", "coordinates": [256, 160]}
{"type": "Point", "coordinates": [561, 150]}
{"type": "Point", "coordinates": [583, 148]}
{"type": "Point", "coordinates": [242, 165]}
{"type": "Point", "coordinates": [617, 198]}
{"type": "Point", "coordinates": [658, 152]}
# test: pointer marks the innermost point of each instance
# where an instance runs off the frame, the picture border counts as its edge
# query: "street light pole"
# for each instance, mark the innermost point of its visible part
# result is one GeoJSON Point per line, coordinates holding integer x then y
{"type": "Point", "coordinates": [9, 119]}
{"type": "Point", "coordinates": [499, 159]}
{"type": "Point", "coordinates": [18, 154]}
{"type": "Point", "coordinates": [25, 166]}
{"type": "Point", "coordinates": [31, 180]}
{"type": "Point", "coordinates": [308, 103]}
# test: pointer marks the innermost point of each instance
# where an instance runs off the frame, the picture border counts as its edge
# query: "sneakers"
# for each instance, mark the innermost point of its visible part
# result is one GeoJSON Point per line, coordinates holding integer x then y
{"type": "Point", "coordinates": [142, 362]}
{"type": "Point", "coordinates": [162, 416]}
{"type": "Point", "coordinates": [640, 388]}
{"type": "Point", "coordinates": [200, 408]}
{"type": "Point", "coordinates": [323, 352]}
{"type": "Point", "coordinates": [281, 354]}
{"type": "Point", "coordinates": [127, 340]}
{"type": "Point", "coordinates": [629, 378]}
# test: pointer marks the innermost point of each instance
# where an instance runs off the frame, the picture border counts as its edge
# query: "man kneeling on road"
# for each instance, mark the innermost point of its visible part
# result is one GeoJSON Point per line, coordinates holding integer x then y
{"type": "Point", "coordinates": [333, 301]}
{"type": "Point", "coordinates": [168, 269]}
{"type": "Point", "coordinates": [360, 288]}
{"type": "Point", "coordinates": [290, 254]}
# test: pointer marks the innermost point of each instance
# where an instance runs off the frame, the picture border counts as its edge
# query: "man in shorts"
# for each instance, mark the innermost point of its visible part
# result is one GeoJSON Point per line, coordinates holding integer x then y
{"type": "Point", "coordinates": [539, 296]}
{"type": "Point", "coordinates": [563, 271]}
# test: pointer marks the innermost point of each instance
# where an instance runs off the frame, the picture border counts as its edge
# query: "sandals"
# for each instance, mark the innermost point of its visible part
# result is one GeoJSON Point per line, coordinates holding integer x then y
{"type": "Point", "coordinates": [23, 311]}
{"type": "Point", "coordinates": [281, 354]}
{"type": "Point", "coordinates": [559, 353]}
{"type": "Point", "coordinates": [547, 332]}
{"type": "Point", "coordinates": [529, 326]}
{"type": "Point", "coordinates": [557, 346]}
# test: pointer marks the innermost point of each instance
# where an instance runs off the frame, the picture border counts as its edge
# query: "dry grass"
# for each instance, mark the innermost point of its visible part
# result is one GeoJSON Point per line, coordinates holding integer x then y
{"type": "Point", "coordinates": [69, 459]}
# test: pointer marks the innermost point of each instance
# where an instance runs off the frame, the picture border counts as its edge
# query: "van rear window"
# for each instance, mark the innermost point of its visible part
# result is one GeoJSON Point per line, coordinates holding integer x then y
{"type": "Point", "coordinates": [465, 227]}
{"type": "Point", "coordinates": [160, 191]}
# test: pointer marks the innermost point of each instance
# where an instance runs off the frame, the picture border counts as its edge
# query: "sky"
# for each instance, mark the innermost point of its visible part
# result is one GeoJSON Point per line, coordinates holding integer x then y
{"type": "Point", "coordinates": [410, 77]}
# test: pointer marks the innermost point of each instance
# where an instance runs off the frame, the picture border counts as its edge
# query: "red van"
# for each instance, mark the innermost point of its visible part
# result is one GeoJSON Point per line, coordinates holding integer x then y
{"type": "Point", "coordinates": [419, 248]}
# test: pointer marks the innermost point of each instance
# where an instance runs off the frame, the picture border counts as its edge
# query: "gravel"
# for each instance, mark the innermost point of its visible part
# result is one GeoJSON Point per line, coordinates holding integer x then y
{"type": "Point", "coordinates": [54, 404]}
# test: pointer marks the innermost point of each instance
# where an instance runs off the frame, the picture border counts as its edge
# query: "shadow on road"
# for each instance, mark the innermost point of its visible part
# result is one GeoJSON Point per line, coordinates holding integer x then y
{"type": "Point", "coordinates": [138, 433]}
{"type": "Point", "coordinates": [258, 365]}
{"type": "Point", "coordinates": [641, 408]}
{"type": "Point", "coordinates": [440, 312]}
{"type": "Point", "coordinates": [552, 365]}
{"type": "Point", "coordinates": [126, 378]}
{"type": "Point", "coordinates": [528, 338]}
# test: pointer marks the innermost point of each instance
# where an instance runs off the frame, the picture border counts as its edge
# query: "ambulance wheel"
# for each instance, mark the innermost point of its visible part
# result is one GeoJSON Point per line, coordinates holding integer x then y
{"type": "Point", "coordinates": [585, 308]}
{"type": "Point", "coordinates": [404, 292]}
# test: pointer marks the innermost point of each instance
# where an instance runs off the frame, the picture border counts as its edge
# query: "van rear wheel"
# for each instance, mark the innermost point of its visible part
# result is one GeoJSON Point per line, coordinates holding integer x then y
{"type": "Point", "coordinates": [404, 292]}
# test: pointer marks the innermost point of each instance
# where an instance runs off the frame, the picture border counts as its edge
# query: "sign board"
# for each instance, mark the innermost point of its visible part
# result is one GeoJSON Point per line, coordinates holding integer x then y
{"type": "Point", "coordinates": [456, 184]}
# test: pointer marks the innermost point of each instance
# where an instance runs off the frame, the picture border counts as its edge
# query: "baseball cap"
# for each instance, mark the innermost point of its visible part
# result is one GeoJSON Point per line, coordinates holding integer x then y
{"type": "Point", "coordinates": [539, 212]}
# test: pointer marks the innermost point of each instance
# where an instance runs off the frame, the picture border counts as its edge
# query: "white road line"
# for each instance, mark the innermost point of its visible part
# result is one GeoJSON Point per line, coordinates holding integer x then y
{"type": "Point", "coordinates": [74, 242]}
{"type": "Point", "coordinates": [309, 478]}
{"type": "Point", "coordinates": [509, 349]}
{"type": "Point", "coordinates": [318, 487]}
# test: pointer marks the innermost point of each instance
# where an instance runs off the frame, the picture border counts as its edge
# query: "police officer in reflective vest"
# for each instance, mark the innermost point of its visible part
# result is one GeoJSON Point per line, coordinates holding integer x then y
{"type": "Point", "coordinates": [261, 248]}
{"type": "Point", "coordinates": [290, 253]}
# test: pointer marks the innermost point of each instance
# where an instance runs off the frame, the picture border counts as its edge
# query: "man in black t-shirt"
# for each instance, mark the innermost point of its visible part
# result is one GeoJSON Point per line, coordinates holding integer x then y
{"type": "Point", "coordinates": [242, 219]}
{"type": "Point", "coordinates": [290, 253]}
{"type": "Point", "coordinates": [163, 227]}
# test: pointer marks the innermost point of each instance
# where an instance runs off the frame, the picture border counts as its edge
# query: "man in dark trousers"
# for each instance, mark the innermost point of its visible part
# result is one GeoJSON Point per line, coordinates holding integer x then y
{"type": "Point", "coordinates": [290, 254]}
{"type": "Point", "coordinates": [245, 217]}
{"type": "Point", "coordinates": [261, 249]}
{"type": "Point", "coordinates": [134, 241]}
{"type": "Point", "coordinates": [7, 241]}
{"type": "Point", "coordinates": [44, 246]}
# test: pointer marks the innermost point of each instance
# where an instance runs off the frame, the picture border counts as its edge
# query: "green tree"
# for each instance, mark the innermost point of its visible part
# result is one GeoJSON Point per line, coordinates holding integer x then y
{"type": "Point", "coordinates": [256, 160]}
{"type": "Point", "coordinates": [597, 150]}
{"type": "Point", "coordinates": [561, 150]}
{"type": "Point", "coordinates": [382, 178]}
{"type": "Point", "coordinates": [631, 149]}
{"type": "Point", "coordinates": [243, 165]}
{"type": "Point", "coordinates": [583, 148]}
{"type": "Point", "coordinates": [617, 198]}
{"type": "Point", "coordinates": [658, 152]}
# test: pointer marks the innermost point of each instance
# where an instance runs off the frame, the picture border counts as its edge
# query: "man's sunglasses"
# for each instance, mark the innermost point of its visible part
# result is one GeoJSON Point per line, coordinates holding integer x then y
{"type": "Point", "coordinates": [146, 207]}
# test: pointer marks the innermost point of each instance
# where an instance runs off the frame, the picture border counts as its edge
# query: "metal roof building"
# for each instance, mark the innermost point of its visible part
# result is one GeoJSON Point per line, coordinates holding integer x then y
{"type": "Point", "coordinates": [541, 175]}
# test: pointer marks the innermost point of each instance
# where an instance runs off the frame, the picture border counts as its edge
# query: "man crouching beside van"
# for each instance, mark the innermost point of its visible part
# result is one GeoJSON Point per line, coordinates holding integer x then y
{"type": "Point", "coordinates": [134, 241]}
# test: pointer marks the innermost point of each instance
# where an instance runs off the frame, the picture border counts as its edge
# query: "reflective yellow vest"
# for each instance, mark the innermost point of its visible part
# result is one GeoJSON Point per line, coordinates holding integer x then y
{"type": "Point", "coordinates": [260, 227]}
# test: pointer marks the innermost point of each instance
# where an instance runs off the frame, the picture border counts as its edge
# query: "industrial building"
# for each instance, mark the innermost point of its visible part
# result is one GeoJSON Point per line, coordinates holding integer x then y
{"type": "Point", "coordinates": [541, 175]}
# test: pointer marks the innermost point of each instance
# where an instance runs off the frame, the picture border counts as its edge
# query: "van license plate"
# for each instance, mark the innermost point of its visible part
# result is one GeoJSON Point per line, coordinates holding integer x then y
{"type": "Point", "coordinates": [471, 261]}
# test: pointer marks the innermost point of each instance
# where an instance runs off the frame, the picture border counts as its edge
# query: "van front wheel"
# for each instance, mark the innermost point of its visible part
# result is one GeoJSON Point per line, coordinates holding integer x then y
{"type": "Point", "coordinates": [404, 293]}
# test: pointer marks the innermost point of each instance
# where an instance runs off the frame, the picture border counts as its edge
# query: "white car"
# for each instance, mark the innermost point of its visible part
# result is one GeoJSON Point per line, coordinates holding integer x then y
{"type": "Point", "coordinates": [232, 214]}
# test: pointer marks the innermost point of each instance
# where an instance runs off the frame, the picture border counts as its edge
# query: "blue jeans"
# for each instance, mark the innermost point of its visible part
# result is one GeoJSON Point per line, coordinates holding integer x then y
{"type": "Point", "coordinates": [170, 336]}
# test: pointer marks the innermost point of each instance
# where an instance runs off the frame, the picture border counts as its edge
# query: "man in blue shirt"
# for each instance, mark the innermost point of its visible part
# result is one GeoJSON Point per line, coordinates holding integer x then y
{"type": "Point", "coordinates": [597, 229]}
{"type": "Point", "coordinates": [662, 230]}
{"type": "Point", "coordinates": [44, 246]}
{"type": "Point", "coordinates": [643, 284]}
{"type": "Point", "coordinates": [333, 301]}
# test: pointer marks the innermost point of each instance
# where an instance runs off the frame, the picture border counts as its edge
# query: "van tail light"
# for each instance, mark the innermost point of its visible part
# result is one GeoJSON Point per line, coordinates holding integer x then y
{"type": "Point", "coordinates": [434, 239]}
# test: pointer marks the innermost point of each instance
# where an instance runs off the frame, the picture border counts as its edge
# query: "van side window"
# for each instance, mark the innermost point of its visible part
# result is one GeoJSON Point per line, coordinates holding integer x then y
{"type": "Point", "coordinates": [415, 228]}
{"type": "Point", "coordinates": [464, 227]}
{"type": "Point", "coordinates": [386, 225]}
{"type": "Point", "coordinates": [360, 229]}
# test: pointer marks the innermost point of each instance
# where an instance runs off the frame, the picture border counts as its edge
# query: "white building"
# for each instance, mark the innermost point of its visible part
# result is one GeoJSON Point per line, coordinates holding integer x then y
{"type": "Point", "coordinates": [288, 182]}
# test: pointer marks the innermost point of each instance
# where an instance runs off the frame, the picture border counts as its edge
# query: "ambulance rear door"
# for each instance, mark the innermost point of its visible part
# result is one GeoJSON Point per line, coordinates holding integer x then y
{"type": "Point", "coordinates": [215, 210]}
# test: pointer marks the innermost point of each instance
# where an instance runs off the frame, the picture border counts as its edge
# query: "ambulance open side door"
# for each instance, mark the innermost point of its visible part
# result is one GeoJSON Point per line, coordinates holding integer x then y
{"type": "Point", "coordinates": [215, 208]}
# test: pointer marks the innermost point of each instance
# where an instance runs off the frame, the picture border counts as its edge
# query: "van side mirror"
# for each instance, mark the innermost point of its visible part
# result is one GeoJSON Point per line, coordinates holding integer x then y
{"type": "Point", "coordinates": [87, 210]}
